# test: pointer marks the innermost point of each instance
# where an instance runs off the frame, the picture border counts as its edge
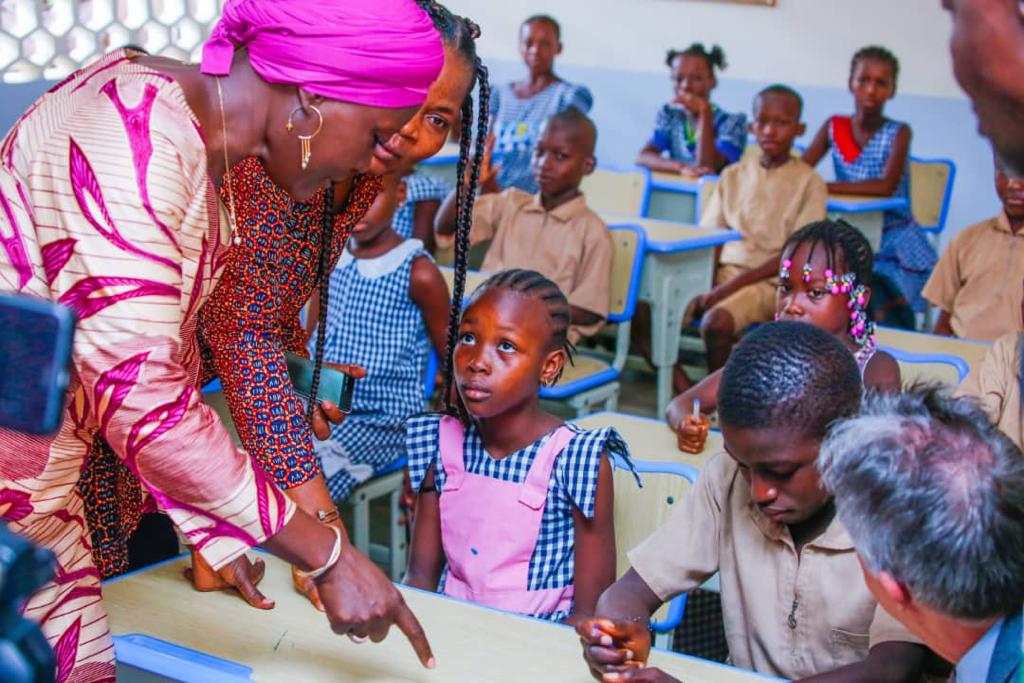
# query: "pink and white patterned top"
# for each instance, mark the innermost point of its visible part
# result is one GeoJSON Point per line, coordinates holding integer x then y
{"type": "Point", "coordinates": [106, 206]}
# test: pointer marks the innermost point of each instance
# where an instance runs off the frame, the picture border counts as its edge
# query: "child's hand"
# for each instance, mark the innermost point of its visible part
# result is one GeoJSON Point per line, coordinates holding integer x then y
{"type": "Point", "coordinates": [692, 434]}
{"type": "Point", "coordinates": [488, 179]}
{"type": "Point", "coordinates": [700, 106]}
{"type": "Point", "coordinates": [611, 646]}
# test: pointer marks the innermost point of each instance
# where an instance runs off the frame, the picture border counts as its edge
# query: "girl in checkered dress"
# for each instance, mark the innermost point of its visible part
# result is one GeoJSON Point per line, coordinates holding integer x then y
{"type": "Point", "coordinates": [388, 302]}
{"type": "Point", "coordinates": [415, 214]}
{"type": "Point", "coordinates": [871, 156]}
{"type": "Point", "coordinates": [519, 109]}
{"type": "Point", "coordinates": [515, 507]}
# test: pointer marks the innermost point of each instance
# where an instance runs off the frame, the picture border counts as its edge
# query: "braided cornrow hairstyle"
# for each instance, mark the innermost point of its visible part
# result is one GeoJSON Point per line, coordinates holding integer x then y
{"type": "Point", "coordinates": [462, 33]}
{"type": "Point", "coordinates": [326, 235]}
{"type": "Point", "coordinates": [841, 241]}
{"type": "Point", "coordinates": [531, 283]}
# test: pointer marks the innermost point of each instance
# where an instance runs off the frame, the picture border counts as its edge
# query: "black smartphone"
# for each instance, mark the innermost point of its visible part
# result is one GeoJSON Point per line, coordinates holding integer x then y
{"type": "Point", "coordinates": [335, 386]}
{"type": "Point", "coordinates": [35, 357]}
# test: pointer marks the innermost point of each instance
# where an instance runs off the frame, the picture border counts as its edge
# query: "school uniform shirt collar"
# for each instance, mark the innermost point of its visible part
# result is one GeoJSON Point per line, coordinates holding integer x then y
{"type": "Point", "coordinates": [565, 213]}
{"type": "Point", "coordinates": [973, 666]}
{"type": "Point", "coordinates": [1002, 223]}
{"type": "Point", "coordinates": [835, 537]}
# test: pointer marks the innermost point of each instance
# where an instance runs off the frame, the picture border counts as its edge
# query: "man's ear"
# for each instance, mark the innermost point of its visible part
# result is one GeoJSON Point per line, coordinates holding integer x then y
{"type": "Point", "coordinates": [896, 591]}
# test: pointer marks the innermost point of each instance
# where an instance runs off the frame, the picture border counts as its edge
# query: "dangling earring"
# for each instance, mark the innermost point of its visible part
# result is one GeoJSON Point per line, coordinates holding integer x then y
{"type": "Point", "coordinates": [861, 329]}
{"type": "Point", "coordinates": [305, 141]}
{"type": "Point", "coordinates": [784, 270]}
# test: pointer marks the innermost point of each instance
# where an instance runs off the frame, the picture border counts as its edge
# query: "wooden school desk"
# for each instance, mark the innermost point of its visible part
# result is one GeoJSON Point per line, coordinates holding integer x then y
{"type": "Point", "coordinates": [443, 164]}
{"type": "Point", "coordinates": [867, 213]}
{"type": "Point", "coordinates": [679, 264]}
{"type": "Point", "coordinates": [650, 439]}
{"type": "Point", "coordinates": [293, 642]}
{"type": "Point", "coordinates": [972, 351]}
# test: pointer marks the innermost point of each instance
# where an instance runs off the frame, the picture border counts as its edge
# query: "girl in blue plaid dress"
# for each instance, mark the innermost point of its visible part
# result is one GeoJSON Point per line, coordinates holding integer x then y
{"type": "Point", "coordinates": [388, 302]}
{"type": "Point", "coordinates": [692, 135]}
{"type": "Point", "coordinates": [515, 507]}
{"type": "Point", "coordinates": [418, 204]}
{"type": "Point", "coordinates": [871, 156]}
{"type": "Point", "coordinates": [519, 109]}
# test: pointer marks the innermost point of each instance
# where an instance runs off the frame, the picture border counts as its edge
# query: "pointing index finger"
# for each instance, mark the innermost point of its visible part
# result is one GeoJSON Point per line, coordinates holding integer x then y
{"type": "Point", "coordinates": [410, 626]}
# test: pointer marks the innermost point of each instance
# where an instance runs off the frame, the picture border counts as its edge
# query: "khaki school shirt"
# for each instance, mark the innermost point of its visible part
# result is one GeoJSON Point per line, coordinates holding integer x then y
{"type": "Point", "coordinates": [996, 383]}
{"type": "Point", "coordinates": [979, 280]}
{"type": "Point", "coordinates": [785, 614]}
{"type": "Point", "coordinates": [571, 246]}
{"type": "Point", "coordinates": [766, 206]}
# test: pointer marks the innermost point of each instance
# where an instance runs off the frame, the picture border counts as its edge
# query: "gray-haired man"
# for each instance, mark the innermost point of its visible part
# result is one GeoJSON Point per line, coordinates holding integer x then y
{"type": "Point", "coordinates": [933, 496]}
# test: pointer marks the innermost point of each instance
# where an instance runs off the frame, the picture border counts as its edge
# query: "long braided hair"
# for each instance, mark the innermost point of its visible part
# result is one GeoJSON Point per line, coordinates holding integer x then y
{"type": "Point", "coordinates": [462, 33]}
{"type": "Point", "coordinates": [326, 235]}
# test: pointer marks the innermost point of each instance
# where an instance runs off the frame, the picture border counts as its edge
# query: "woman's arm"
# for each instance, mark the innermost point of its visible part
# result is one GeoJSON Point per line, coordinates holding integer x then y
{"type": "Point", "coordinates": [818, 147]}
{"type": "Point", "coordinates": [890, 180]}
{"type": "Point", "coordinates": [426, 554]}
{"type": "Point", "coordinates": [595, 546]}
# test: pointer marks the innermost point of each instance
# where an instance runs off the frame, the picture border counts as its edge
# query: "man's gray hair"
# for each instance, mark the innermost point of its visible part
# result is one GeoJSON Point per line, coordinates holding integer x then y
{"type": "Point", "coordinates": [933, 495]}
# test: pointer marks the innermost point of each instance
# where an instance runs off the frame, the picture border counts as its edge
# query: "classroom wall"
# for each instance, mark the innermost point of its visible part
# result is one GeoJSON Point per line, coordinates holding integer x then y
{"type": "Point", "coordinates": [617, 48]}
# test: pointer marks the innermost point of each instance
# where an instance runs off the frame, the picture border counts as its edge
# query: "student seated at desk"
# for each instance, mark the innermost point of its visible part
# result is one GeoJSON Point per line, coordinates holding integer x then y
{"type": "Point", "coordinates": [794, 600]}
{"type": "Point", "coordinates": [822, 276]}
{"type": "Point", "coordinates": [553, 231]}
{"type": "Point", "coordinates": [519, 109]}
{"type": "Point", "coordinates": [514, 505]}
{"type": "Point", "coordinates": [871, 156]}
{"type": "Point", "coordinates": [388, 303]}
{"type": "Point", "coordinates": [976, 283]}
{"type": "Point", "coordinates": [692, 136]}
{"type": "Point", "coordinates": [766, 198]}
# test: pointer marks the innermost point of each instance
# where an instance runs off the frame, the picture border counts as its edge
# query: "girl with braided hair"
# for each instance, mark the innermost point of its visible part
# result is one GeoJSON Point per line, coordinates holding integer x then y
{"type": "Point", "coordinates": [823, 280]}
{"type": "Point", "coordinates": [514, 505]}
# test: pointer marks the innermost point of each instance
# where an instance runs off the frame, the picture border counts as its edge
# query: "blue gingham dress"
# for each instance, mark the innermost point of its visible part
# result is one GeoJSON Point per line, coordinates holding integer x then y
{"type": "Point", "coordinates": [420, 187]}
{"type": "Point", "coordinates": [675, 135]}
{"type": "Point", "coordinates": [573, 484]}
{"type": "Point", "coordinates": [372, 321]}
{"type": "Point", "coordinates": [906, 256]}
{"type": "Point", "coordinates": [516, 126]}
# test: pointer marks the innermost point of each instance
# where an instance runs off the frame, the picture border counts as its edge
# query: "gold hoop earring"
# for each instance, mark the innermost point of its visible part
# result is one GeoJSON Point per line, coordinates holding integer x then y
{"type": "Point", "coordinates": [305, 146]}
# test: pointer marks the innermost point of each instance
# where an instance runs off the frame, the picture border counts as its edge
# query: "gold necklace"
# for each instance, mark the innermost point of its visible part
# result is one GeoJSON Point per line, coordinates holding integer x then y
{"type": "Point", "coordinates": [233, 225]}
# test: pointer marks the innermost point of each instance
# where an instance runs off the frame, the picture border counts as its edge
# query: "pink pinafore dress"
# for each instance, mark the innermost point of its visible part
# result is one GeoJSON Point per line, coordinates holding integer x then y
{"type": "Point", "coordinates": [489, 528]}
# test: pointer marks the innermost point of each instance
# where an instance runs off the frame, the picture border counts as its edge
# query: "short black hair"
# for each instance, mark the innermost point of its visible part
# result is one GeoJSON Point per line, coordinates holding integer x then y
{"type": "Point", "coordinates": [574, 117]}
{"type": "Point", "coordinates": [879, 53]}
{"type": "Point", "coordinates": [789, 375]}
{"type": "Point", "coordinates": [547, 18]}
{"type": "Point", "coordinates": [715, 57]}
{"type": "Point", "coordinates": [780, 89]}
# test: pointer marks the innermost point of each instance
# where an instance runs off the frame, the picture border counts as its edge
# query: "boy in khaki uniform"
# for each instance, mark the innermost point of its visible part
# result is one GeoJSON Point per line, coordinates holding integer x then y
{"type": "Point", "coordinates": [553, 231]}
{"type": "Point", "coordinates": [794, 600]}
{"type": "Point", "coordinates": [976, 283]}
{"type": "Point", "coordinates": [765, 198]}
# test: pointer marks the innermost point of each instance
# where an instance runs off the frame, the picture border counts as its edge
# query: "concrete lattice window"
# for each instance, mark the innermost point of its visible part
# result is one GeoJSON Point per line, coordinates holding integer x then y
{"type": "Point", "coordinates": [48, 39]}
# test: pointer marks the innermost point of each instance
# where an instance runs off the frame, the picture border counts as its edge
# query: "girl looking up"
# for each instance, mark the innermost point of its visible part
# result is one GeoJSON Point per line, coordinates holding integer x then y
{"type": "Point", "coordinates": [871, 156]}
{"type": "Point", "coordinates": [691, 135]}
{"type": "Point", "coordinates": [822, 281]}
{"type": "Point", "coordinates": [514, 505]}
{"type": "Point", "coordinates": [519, 109]}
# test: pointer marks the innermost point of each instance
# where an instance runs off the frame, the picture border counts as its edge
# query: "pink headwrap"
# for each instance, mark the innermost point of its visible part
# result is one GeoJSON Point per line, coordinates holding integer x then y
{"type": "Point", "coordinates": [381, 53]}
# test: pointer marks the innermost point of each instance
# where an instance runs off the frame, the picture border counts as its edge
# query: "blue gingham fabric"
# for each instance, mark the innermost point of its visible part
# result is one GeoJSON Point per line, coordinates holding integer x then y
{"type": "Point", "coordinates": [673, 133]}
{"type": "Point", "coordinates": [516, 126]}
{"type": "Point", "coordinates": [420, 187]}
{"type": "Point", "coordinates": [372, 321]}
{"type": "Point", "coordinates": [905, 256]}
{"type": "Point", "coordinates": [573, 484]}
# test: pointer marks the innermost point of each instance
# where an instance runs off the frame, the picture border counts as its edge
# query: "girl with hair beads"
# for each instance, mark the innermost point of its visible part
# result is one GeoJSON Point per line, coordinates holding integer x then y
{"type": "Point", "coordinates": [691, 135]}
{"type": "Point", "coordinates": [871, 156]}
{"type": "Point", "coordinates": [389, 303]}
{"type": "Point", "coordinates": [519, 109]}
{"type": "Point", "coordinates": [822, 281]}
{"type": "Point", "coordinates": [514, 504]}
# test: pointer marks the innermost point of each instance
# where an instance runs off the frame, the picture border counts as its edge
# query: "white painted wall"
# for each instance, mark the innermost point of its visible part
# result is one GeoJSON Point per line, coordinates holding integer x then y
{"type": "Point", "coordinates": [801, 42]}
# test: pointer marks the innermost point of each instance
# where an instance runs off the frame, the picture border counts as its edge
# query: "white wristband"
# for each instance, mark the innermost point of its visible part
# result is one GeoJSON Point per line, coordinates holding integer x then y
{"type": "Point", "coordinates": [331, 561]}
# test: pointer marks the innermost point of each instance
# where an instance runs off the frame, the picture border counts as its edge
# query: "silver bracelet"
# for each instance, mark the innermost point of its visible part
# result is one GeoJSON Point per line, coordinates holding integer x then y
{"type": "Point", "coordinates": [331, 561]}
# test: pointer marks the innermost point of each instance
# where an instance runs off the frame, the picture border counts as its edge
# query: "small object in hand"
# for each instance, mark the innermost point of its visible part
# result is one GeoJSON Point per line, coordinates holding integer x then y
{"type": "Point", "coordinates": [348, 386]}
{"type": "Point", "coordinates": [696, 409]}
{"type": "Point", "coordinates": [358, 640]}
